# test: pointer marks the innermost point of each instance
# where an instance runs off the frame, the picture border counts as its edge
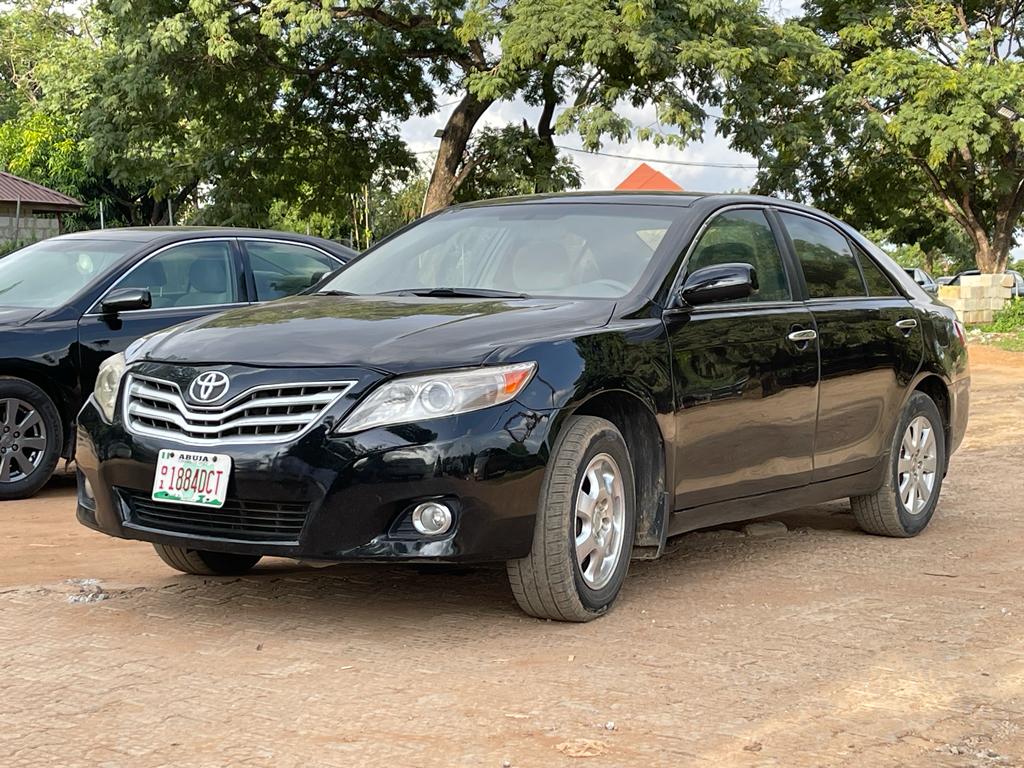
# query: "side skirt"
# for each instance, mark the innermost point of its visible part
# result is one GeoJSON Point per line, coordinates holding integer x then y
{"type": "Point", "coordinates": [750, 507]}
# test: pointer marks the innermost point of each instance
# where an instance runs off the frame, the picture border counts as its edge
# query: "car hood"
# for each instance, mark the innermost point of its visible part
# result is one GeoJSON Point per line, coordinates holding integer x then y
{"type": "Point", "coordinates": [393, 334]}
{"type": "Point", "coordinates": [15, 316]}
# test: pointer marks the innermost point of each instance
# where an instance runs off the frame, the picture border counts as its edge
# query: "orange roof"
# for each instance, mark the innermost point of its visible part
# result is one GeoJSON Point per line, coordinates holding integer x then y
{"type": "Point", "coordinates": [646, 178]}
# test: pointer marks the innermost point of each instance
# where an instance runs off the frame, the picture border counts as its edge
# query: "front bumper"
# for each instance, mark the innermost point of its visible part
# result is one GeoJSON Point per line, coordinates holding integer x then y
{"type": "Point", "coordinates": [355, 491]}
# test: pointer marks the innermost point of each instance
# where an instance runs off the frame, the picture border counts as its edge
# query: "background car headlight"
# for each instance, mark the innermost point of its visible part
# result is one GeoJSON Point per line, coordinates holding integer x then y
{"type": "Point", "coordinates": [108, 381]}
{"type": "Point", "coordinates": [416, 398]}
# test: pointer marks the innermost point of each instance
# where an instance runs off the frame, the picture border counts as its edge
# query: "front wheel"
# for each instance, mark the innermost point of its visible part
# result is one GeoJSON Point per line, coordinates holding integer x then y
{"type": "Point", "coordinates": [205, 563]}
{"type": "Point", "coordinates": [31, 437]}
{"type": "Point", "coordinates": [905, 503]}
{"type": "Point", "coordinates": [583, 536]}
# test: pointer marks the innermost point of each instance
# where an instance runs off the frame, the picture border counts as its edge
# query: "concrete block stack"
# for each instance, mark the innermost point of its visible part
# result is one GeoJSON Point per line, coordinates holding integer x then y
{"type": "Point", "coordinates": [977, 297]}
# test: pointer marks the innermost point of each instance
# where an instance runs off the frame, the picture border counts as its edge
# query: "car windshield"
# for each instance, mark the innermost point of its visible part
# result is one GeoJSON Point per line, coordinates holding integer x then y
{"type": "Point", "coordinates": [48, 273]}
{"type": "Point", "coordinates": [584, 250]}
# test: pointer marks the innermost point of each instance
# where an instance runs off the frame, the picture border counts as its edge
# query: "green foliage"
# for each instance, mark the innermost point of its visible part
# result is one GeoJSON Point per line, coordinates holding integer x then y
{"type": "Point", "coordinates": [1008, 319]}
{"type": "Point", "coordinates": [892, 119]}
{"type": "Point", "coordinates": [513, 160]}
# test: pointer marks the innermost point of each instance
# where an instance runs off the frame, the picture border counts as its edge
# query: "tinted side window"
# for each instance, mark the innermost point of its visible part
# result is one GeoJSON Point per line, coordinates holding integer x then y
{"type": "Point", "coordinates": [829, 266]}
{"type": "Point", "coordinates": [744, 237]}
{"type": "Point", "coordinates": [188, 275]}
{"type": "Point", "coordinates": [878, 283]}
{"type": "Point", "coordinates": [283, 269]}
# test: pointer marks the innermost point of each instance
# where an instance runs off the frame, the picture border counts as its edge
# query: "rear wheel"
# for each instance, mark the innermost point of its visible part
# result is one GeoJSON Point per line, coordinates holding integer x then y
{"type": "Point", "coordinates": [584, 531]}
{"type": "Point", "coordinates": [905, 503]}
{"type": "Point", "coordinates": [31, 436]}
{"type": "Point", "coordinates": [205, 563]}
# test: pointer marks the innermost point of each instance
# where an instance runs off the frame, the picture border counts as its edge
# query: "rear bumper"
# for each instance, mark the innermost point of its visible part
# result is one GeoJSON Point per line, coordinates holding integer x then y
{"type": "Point", "coordinates": [353, 494]}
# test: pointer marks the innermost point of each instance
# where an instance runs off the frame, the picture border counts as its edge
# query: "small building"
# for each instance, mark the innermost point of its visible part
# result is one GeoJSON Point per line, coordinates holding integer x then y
{"type": "Point", "coordinates": [646, 179]}
{"type": "Point", "coordinates": [30, 211]}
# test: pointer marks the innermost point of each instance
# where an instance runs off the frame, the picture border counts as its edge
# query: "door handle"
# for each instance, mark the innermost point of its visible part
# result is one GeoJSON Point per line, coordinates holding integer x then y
{"type": "Point", "coordinates": [907, 325]}
{"type": "Point", "coordinates": [804, 336]}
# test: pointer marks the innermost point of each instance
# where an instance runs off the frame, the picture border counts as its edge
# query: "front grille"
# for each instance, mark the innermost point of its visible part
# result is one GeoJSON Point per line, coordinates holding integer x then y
{"type": "Point", "coordinates": [156, 408]}
{"type": "Point", "coordinates": [240, 520]}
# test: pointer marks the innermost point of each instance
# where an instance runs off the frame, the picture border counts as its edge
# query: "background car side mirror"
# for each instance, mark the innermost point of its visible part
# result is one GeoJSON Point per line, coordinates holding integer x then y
{"type": "Point", "coordinates": [719, 282]}
{"type": "Point", "coordinates": [126, 299]}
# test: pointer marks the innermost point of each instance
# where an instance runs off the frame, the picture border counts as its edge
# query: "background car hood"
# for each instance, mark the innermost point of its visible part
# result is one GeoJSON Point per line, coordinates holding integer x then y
{"type": "Point", "coordinates": [394, 334]}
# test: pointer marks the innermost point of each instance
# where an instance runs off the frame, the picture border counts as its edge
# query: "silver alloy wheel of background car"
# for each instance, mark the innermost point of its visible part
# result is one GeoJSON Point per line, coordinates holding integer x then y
{"type": "Point", "coordinates": [600, 519]}
{"type": "Point", "coordinates": [917, 465]}
{"type": "Point", "coordinates": [22, 439]}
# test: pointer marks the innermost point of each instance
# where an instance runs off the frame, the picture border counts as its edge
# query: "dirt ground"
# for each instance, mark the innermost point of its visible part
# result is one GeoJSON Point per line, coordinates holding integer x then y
{"type": "Point", "coordinates": [816, 647]}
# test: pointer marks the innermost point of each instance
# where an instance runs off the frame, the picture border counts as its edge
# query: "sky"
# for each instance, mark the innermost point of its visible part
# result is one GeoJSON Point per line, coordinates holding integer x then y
{"type": "Point", "coordinates": [602, 172]}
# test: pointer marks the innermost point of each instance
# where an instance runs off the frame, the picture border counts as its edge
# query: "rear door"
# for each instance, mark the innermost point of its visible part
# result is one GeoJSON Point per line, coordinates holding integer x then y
{"type": "Point", "coordinates": [870, 345]}
{"type": "Point", "coordinates": [278, 268]}
{"type": "Point", "coordinates": [746, 393]}
{"type": "Point", "coordinates": [186, 280]}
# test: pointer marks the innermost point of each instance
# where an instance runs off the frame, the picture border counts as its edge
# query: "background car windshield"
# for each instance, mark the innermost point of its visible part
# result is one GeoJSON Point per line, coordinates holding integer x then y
{"type": "Point", "coordinates": [48, 273]}
{"type": "Point", "coordinates": [543, 249]}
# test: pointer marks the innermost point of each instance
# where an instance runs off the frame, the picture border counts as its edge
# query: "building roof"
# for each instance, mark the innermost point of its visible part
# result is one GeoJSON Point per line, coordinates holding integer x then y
{"type": "Point", "coordinates": [645, 178]}
{"type": "Point", "coordinates": [38, 197]}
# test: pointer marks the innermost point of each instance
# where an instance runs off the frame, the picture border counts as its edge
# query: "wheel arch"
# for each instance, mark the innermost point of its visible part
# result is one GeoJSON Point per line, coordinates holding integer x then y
{"type": "Point", "coordinates": [937, 389]}
{"type": "Point", "coordinates": [636, 421]}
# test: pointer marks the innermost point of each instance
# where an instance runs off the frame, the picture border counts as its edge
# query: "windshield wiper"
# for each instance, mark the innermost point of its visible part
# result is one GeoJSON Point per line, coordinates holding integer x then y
{"type": "Point", "coordinates": [334, 292]}
{"type": "Point", "coordinates": [457, 293]}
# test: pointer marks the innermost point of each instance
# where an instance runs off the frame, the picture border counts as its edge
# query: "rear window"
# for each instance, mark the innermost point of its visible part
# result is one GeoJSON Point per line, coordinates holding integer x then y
{"type": "Point", "coordinates": [828, 262]}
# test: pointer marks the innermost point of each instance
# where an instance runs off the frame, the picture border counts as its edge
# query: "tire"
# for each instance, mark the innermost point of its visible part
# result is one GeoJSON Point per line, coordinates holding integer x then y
{"type": "Point", "coordinates": [887, 512]}
{"type": "Point", "coordinates": [204, 563]}
{"type": "Point", "coordinates": [550, 582]}
{"type": "Point", "coordinates": [31, 438]}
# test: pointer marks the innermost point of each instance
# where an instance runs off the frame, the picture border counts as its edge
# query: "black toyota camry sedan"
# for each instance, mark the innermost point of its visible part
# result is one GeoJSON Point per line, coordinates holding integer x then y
{"type": "Point", "coordinates": [559, 383]}
{"type": "Point", "coordinates": [68, 303]}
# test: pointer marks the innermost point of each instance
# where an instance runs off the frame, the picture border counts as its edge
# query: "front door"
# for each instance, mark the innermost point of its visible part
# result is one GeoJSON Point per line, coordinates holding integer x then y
{"type": "Point", "coordinates": [187, 280]}
{"type": "Point", "coordinates": [870, 346]}
{"type": "Point", "coordinates": [746, 393]}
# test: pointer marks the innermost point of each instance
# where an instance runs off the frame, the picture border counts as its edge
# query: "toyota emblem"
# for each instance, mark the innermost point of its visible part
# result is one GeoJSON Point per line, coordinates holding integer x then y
{"type": "Point", "coordinates": [209, 387]}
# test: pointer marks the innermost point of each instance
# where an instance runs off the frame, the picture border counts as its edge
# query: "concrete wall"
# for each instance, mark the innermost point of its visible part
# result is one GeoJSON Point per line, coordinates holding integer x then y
{"type": "Point", "coordinates": [977, 297]}
{"type": "Point", "coordinates": [29, 229]}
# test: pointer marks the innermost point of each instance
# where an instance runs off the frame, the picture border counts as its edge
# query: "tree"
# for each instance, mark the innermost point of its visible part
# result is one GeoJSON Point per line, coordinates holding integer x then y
{"type": "Point", "coordinates": [587, 57]}
{"type": "Point", "coordinates": [513, 160]}
{"type": "Point", "coordinates": [902, 106]}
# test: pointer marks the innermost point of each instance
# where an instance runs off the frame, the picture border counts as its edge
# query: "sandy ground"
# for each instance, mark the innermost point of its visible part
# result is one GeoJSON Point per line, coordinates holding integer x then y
{"type": "Point", "coordinates": [817, 647]}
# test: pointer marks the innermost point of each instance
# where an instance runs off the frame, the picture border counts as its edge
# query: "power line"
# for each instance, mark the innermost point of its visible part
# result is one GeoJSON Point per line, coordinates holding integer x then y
{"type": "Point", "coordinates": [691, 163]}
{"type": "Point", "coordinates": [745, 166]}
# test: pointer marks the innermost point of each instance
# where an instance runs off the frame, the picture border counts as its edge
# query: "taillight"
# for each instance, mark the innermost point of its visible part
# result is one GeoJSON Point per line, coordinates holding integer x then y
{"type": "Point", "coordinates": [961, 332]}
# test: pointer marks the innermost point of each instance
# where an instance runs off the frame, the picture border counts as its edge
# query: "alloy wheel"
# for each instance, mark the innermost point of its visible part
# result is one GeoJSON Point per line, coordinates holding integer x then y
{"type": "Point", "coordinates": [599, 521]}
{"type": "Point", "coordinates": [22, 439]}
{"type": "Point", "coordinates": [918, 463]}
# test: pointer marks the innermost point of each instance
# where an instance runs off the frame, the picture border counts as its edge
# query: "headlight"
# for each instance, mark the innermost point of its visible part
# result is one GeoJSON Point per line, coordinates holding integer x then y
{"type": "Point", "coordinates": [108, 380]}
{"type": "Point", "coordinates": [417, 398]}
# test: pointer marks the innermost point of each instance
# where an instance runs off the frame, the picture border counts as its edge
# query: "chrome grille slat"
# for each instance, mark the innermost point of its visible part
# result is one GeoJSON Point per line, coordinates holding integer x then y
{"type": "Point", "coordinates": [140, 391]}
{"type": "Point", "coordinates": [269, 413]}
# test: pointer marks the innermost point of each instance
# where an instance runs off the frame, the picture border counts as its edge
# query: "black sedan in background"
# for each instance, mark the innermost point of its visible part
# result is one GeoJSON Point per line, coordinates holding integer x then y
{"type": "Point", "coordinates": [68, 303]}
{"type": "Point", "coordinates": [559, 383]}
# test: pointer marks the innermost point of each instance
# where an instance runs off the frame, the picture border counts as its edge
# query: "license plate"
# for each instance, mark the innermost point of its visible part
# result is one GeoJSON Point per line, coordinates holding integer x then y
{"type": "Point", "coordinates": [199, 479]}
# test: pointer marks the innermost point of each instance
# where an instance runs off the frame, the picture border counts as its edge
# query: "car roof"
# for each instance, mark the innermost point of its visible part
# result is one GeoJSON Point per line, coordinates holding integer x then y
{"type": "Point", "coordinates": [144, 235]}
{"type": "Point", "coordinates": [672, 199]}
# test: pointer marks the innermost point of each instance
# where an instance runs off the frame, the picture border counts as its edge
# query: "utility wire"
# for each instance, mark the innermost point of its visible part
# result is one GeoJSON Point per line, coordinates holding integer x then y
{"type": "Point", "coordinates": [747, 166]}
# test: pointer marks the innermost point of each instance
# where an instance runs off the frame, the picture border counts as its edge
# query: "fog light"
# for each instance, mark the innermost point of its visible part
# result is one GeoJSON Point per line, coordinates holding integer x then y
{"type": "Point", "coordinates": [432, 518]}
{"type": "Point", "coordinates": [87, 489]}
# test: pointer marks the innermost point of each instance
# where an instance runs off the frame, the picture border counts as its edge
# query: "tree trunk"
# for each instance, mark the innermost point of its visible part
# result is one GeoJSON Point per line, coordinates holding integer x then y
{"type": "Point", "coordinates": [444, 180]}
{"type": "Point", "coordinates": [548, 155]}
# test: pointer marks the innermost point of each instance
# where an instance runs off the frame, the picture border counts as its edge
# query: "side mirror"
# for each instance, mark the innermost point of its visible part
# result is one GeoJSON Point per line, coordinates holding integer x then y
{"type": "Point", "coordinates": [125, 300]}
{"type": "Point", "coordinates": [719, 282]}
